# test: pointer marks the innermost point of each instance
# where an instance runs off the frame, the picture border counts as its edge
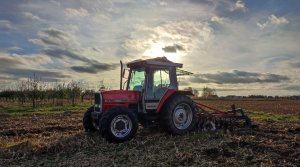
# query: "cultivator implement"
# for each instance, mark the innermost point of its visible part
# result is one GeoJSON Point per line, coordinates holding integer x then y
{"type": "Point", "coordinates": [211, 119]}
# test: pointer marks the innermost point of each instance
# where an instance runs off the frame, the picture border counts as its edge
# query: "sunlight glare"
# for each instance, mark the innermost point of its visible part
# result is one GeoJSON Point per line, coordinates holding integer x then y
{"type": "Point", "coordinates": [157, 51]}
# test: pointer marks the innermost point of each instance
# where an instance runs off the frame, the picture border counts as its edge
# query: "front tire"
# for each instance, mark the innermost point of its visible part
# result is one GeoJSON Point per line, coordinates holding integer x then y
{"type": "Point", "coordinates": [118, 124]}
{"type": "Point", "coordinates": [88, 121]}
{"type": "Point", "coordinates": [179, 115]}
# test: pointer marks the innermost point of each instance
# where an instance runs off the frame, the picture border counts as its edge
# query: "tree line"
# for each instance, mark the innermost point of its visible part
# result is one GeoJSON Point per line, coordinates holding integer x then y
{"type": "Point", "coordinates": [36, 92]}
{"type": "Point", "coordinates": [206, 92]}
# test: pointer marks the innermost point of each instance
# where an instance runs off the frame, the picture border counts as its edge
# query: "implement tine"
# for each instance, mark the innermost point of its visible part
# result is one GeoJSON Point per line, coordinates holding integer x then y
{"type": "Point", "coordinates": [211, 121]}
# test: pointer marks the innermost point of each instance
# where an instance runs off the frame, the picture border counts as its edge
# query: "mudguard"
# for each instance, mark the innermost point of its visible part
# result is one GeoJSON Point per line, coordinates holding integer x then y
{"type": "Point", "coordinates": [168, 94]}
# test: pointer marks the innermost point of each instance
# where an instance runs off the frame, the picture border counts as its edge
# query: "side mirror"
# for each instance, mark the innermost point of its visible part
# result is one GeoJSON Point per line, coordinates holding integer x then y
{"type": "Point", "coordinates": [121, 77]}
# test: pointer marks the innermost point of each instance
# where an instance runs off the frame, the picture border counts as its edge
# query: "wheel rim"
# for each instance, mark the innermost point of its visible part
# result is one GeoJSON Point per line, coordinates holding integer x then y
{"type": "Point", "coordinates": [121, 126]}
{"type": "Point", "coordinates": [182, 116]}
{"type": "Point", "coordinates": [209, 126]}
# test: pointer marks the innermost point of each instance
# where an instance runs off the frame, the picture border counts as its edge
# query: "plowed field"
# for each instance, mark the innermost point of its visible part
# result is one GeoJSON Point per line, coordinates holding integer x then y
{"type": "Point", "coordinates": [58, 139]}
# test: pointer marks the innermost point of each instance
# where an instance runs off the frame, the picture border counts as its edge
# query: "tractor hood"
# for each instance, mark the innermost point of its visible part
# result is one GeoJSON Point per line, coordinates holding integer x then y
{"type": "Point", "coordinates": [117, 98]}
{"type": "Point", "coordinates": [120, 96]}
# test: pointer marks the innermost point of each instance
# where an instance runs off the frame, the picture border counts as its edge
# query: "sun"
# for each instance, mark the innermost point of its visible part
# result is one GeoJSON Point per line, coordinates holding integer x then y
{"type": "Point", "coordinates": [156, 51]}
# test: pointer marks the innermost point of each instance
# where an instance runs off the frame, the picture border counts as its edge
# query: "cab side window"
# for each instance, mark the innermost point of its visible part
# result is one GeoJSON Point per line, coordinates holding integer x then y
{"type": "Point", "coordinates": [137, 79]}
{"type": "Point", "coordinates": [161, 82]}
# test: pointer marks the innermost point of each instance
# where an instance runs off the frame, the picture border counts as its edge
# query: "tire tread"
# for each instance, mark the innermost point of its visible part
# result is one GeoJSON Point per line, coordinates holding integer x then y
{"type": "Point", "coordinates": [167, 114]}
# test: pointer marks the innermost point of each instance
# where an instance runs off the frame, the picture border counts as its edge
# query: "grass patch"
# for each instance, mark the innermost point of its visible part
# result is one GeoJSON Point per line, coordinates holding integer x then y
{"type": "Point", "coordinates": [266, 116]}
{"type": "Point", "coordinates": [15, 110]}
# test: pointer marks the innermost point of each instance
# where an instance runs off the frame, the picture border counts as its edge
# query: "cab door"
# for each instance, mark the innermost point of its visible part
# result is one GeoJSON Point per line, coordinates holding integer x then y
{"type": "Point", "coordinates": [136, 82]}
{"type": "Point", "coordinates": [158, 82]}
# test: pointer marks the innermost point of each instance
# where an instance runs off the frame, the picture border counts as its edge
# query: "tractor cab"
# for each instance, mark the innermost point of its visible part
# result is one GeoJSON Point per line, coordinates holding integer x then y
{"type": "Point", "coordinates": [153, 78]}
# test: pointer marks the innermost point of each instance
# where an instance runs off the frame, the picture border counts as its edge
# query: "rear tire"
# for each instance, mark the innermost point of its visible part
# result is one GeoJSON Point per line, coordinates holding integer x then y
{"type": "Point", "coordinates": [118, 124]}
{"type": "Point", "coordinates": [178, 115]}
{"type": "Point", "coordinates": [248, 122]}
{"type": "Point", "coordinates": [88, 121]}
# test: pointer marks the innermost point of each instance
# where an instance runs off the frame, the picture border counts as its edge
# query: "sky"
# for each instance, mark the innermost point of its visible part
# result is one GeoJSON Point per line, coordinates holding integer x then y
{"type": "Point", "coordinates": [239, 47]}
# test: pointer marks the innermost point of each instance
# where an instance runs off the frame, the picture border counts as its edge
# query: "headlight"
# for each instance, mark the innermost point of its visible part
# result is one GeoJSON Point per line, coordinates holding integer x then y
{"type": "Point", "coordinates": [98, 102]}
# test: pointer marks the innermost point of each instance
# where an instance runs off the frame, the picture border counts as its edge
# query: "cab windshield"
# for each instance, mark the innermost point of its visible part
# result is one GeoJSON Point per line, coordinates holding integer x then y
{"type": "Point", "coordinates": [137, 79]}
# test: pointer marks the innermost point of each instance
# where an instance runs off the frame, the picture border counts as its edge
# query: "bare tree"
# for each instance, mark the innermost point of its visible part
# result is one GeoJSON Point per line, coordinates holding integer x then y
{"type": "Point", "coordinates": [22, 92]}
{"type": "Point", "coordinates": [194, 91]}
{"type": "Point", "coordinates": [61, 93]}
{"type": "Point", "coordinates": [209, 93]}
{"type": "Point", "coordinates": [33, 86]}
{"type": "Point", "coordinates": [74, 90]}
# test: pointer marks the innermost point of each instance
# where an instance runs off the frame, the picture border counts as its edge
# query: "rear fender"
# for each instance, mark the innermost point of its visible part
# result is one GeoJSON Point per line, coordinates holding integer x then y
{"type": "Point", "coordinates": [169, 94]}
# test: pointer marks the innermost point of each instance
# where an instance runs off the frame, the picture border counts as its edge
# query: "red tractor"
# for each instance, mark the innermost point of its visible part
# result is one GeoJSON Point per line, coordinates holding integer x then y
{"type": "Point", "coordinates": [151, 98]}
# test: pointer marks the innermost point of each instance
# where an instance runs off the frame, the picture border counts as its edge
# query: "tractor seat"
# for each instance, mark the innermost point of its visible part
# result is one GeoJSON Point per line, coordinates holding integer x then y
{"type": "Point", "coordinates": [138, 87]}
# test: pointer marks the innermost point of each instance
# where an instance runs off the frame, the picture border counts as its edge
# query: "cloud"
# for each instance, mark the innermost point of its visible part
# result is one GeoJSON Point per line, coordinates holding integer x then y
{"type": "Point", "coordinates": [32, 16]}
{"type": "Point", "coordinates": [45, 75]}
{"type": "Point", "coordinates": [64, 53]}
{"type": "Point", "coordinates": [55, 2]}
{"type": "Point", "coordinates": [71, 12]}
{"type": "Point", "coordinates": [51, 37]}
{"type": "Point", "coordinates": [239, 5]}
{"type": "Point", "coordinates": [5, 78]}
{"type": "Point", "coordinates": [23, 66]}
{"type": "Point", "coordinates": [5, 25]}
{"type": "Point", "coordinates": [172, 36]}
{"type": "Point", "coordinates": [278, 20]}
{"type": "Point", "coordinates": [173, 48]}
{"type": "Point", "coordinates": [94, 68]}
{"type": "Point", "coordinates": [236, 77]}
{"type": "Point", "coordinates": [15, 60]}
{"type": "Point", "coordinates": [60, 44]}
{"type": "Point", "coordinates": [183, 83]}
{"type": "Point", "coordinates": [163, 3]}
{"type": "Point", "coordinates": [291, 87]}
{"type": "Point", "coordinates": [56, 33]}
{"type": "Point", "coordinates": [217, 19]}
{"type": "Point", "coordinates": [272, 21]}
{"type": "Point", "coordinates": [14, 48]}
{"type": "Point", "coordinates": [8, 61]}
{"type": "Point", "coordinates": [295, 64]}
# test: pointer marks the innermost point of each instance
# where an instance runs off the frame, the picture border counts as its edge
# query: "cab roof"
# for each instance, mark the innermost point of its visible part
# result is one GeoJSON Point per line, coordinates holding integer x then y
{"type": "Point", "coordinates": [155, 62]}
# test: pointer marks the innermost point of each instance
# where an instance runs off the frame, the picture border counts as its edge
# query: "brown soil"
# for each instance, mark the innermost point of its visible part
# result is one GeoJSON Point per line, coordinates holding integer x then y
{"type": "Point", "coordinates": [59, 140]}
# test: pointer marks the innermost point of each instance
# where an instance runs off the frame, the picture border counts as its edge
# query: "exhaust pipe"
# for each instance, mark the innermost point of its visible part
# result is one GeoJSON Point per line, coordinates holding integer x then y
{"type": "Point", "coordinates": [121, 75]}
